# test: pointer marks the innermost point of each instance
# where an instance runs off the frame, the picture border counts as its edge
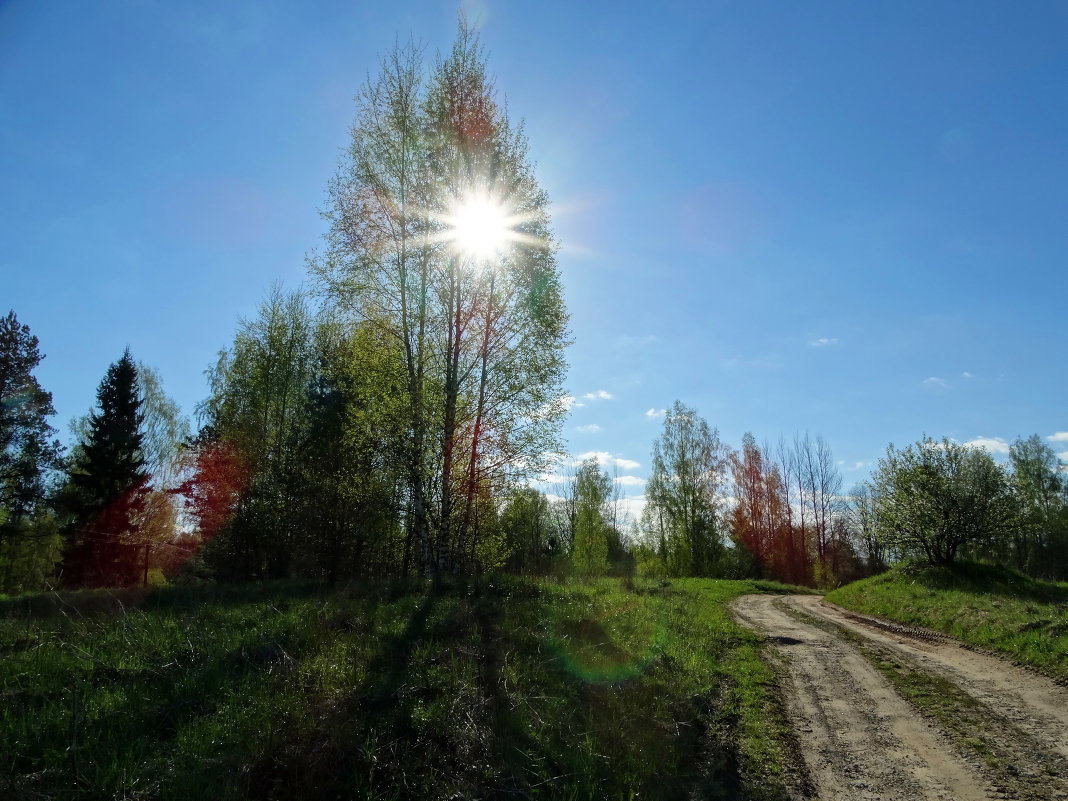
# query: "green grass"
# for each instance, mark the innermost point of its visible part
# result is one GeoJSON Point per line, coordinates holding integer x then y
{"type": "Point", "coordinates": [503, 688]}
{"type": "Point", "coordinates": [983, 605]}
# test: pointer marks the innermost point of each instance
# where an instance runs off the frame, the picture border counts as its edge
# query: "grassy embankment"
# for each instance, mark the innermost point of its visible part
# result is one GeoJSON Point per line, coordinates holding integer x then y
{"type": "Point", "coordinates": [983, 605]}
{"type": "Point", "coordinates": [508, 688]}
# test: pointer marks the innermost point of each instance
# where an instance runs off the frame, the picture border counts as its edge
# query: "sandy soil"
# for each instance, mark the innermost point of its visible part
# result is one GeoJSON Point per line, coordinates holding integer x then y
{"type": "Point", "coordinates": [1029, 702]}
{"type": "Point", "coordinates": [862, 741]}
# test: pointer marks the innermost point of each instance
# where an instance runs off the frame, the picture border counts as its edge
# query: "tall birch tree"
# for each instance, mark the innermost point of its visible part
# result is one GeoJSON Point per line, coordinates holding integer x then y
{"type": "Point", "coordinates": [481, 325]}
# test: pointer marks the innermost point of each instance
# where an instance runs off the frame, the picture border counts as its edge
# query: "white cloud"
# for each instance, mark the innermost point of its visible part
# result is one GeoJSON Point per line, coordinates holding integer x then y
{"type": "Point", "coordinates": [632, 508]}
{"type": "Point", "coordinates": [598, 395]}
{"type": "Point", "coordinates": [652, 414]}
{"type": "Point", "coordinates": [936, 382]}
{"type": "Point", "coordinates": [592, 428]}
{"type": "Point", "coordinates": [966, 374]}
{"type": "Point", "coordinates": [1060, 436]}
{"type": "Point", "coordinates": [992, 444]}
{"type": "Point", "coordinates": [1063, 456]}
{"type": "Point", "coordinates": [822, 342]}
{"type": "Point", "coordinates": [629, 481]}
{"type": "Point", "coordinates": [605, 459]}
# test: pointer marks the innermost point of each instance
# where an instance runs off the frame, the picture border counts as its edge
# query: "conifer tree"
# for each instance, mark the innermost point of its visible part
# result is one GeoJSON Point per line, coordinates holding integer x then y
{"type": "Point", "coordinates": [108, 484]}
{"type": "Point", "coordinates": [28, 451]}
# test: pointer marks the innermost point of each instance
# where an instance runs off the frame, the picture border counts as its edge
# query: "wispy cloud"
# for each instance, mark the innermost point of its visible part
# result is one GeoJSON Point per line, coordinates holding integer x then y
{"type": "Point", "coordinates": [992, 444]}
{"type": "Point", "coordinates": [1063, 456]}
{"type": "Point", "coordinates": [1060, 436]}
{"type": "Point", "coordinates": [606, 459]}
{"type": "Point", "coordinates": [761, 363]}
{"type": "Point", "coordinates": [652, 414]}
{"type": "Point", "coordinates": [629, 481]}
{"type": "Point", "coordinates": [851, 468]}
{"type": "Point", "coordinates": [936, 383]}
{"type": "Point", "coordinates": [627, 340]}
{"type": "Point", "coordinates": [966, 374]}
{"type": "Point", "coordinates": [822, 342]}
{"type": "Point", "coordinates": [599, 394]}
{"type": "Point", "coordinates": [592, 428]}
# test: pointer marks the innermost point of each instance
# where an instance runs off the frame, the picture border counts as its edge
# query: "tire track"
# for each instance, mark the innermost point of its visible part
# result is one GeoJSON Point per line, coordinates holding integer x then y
{"type": "Point", "coordinates": [1031, 703]}
{"type": "Point", "coordinates": [863, 740]}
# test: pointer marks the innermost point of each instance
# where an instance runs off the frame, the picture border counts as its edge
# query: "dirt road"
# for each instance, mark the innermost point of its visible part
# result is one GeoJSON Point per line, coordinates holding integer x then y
{"type": "Point", "coordinates": [987, 730]}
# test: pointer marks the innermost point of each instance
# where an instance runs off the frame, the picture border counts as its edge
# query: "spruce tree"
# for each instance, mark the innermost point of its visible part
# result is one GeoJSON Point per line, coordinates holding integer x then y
{"type": "Point", "coordinates": [109, 484]}
{"type": "Point", "coordinates": [27, 447]}
{"type": "Point", "coordinates": [28, 452]}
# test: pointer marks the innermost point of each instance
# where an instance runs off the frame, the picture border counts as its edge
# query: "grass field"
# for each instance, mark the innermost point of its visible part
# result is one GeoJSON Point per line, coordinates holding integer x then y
{"type": "Point", "coordinates": [502, 688]}
{"type": "Point", "coordinates": [987, 606]}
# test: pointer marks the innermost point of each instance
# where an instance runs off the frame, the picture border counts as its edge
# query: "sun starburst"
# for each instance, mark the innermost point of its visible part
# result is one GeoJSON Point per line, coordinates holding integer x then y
{"type": "Point", "coordinates": [482, 227]}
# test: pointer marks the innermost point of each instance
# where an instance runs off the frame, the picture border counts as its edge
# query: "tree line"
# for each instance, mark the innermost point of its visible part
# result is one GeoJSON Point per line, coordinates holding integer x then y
{"type": "Point", "coordinates": [781, 511]}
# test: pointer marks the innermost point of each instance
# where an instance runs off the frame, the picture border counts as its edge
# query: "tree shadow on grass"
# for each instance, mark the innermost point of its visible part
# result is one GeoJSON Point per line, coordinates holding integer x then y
{"type": "Point", "coordinates": [619, 732]}
{"type": "Point", "coordinates": [111, 723]}
{"type": "Point", "coordinates": [358, 744]}
{"type": "Point", "coordinates": [115, 602]}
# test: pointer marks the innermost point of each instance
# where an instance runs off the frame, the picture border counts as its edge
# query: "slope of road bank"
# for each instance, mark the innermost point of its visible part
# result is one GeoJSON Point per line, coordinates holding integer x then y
{"type": "Point", "coordinates": [883, 716]}
{"type": "Point", "coordinates": [984, 605]}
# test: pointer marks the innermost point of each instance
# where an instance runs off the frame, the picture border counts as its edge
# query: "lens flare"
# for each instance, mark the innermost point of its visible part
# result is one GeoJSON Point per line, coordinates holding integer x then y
{"type": "Point", "coordinates": [587, 650]}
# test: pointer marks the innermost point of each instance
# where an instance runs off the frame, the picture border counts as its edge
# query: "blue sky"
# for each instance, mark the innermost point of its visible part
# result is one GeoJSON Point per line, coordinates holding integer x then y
{"type": "Point", "coordinates": [842, 217]}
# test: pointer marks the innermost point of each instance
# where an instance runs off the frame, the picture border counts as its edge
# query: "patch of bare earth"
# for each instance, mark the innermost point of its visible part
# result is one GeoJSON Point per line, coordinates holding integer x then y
{"type": "Point", "coordinates": [860, 739]}
{"type": "Point", "coordinates": [989, 729]}
{"type": "Point", "coordinates": [1031, 703]}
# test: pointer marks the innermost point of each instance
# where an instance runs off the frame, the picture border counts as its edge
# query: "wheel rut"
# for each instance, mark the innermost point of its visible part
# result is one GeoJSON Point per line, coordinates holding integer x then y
{"type": "Point", "coordinates": [862, 740]}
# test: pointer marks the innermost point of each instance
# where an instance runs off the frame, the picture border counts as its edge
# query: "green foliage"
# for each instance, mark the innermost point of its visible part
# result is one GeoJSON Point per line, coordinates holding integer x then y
{"type": "Point", "coordinates": [481, 337]}
{"type": "Point", "coordinates": [684, 492]}
{"type": "Point", "coordinates": [938, 498]}
{"type": "Point", "coordinates": [296, 472]}
{"type": "Point", "coordinates": [1040, 544]}
{"type": "Point", "coordinates": [28, 453]}
{"type": "Point", "coordinates": [29, 551]}
{"type": "Point", "coordinates": [985, 605]}
{"type": "Point", "coordinates": [589, 547]}
{"type": "Point", "coordinates": [344, 512]}
{"type": "Point", "coordinates": [470, 689]}
{"type": "Point", "coordinates": [527, 523]}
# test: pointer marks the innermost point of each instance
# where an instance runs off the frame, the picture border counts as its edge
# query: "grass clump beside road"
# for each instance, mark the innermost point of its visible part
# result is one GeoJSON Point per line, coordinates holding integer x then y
{"type": "Point", "coordinates": [984, 605]}
{"type": "Point", "coordinates": [507, 687]}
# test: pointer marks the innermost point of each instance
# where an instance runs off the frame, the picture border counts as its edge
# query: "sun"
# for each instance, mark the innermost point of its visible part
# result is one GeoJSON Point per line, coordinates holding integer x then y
{"type": "Point", "coordinates": [480, 226]}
